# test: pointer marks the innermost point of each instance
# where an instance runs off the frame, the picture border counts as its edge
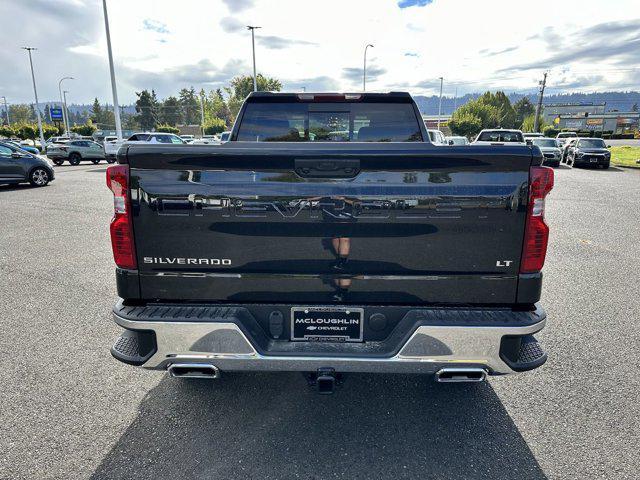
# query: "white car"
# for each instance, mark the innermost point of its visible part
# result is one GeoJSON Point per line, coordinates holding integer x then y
{"type": "Point", "coordinates": [500, 136]}
{"type": "Point", "coordinates": [455, 140]}
{"type": "Point", "coordinates": [188, 138]}
{"type": "Point", "coordinates": [437, 137]}
{"type": "Point", "coordinates": [563, 137]}
{"type": "Point", "coordinates": [208, 140]}
{"type": "Point", "coordinates": [111, 148]}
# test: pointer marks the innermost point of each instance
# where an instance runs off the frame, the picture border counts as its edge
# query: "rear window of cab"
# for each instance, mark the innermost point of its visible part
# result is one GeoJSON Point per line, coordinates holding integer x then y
{"type": "Point", "coordinates": [329, 122]}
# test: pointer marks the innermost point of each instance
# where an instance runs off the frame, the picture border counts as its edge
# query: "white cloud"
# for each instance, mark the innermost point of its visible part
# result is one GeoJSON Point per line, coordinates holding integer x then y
{"type": "Point", "coordinates": [474, 44]}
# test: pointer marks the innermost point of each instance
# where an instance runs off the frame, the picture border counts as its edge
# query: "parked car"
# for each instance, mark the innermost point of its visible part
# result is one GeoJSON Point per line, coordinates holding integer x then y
{"type": "Point", "coordinates": [437, 137]}
{"type": "Point", "coordinates": [532, 135]}
{"type": "Point", "coordinates": [208, 140]}
{"type": "Point", "coordinates": [188, 138]}
{"type": "Point", "coordinates": [563, 137]}
{"type": "Point", "coordinates": [499, 136]}
{"type": "Point", "coordinates": [589, 151]}
{"type": "Point", "coordinates": [26, 148]}
{"type": "Point", "coordinates": [20, 166]}
{"type": "Point", "coordinates": [74, 151]}
{"type": "Point", "coordinates": [550, 150]}
{"type": "Point", "coordinates": [354, 247]}
{"type": "Point", "coordinates": [111, 148]}
{"type": "Point", "coordinates": [454, 140]}
{"type": "Point", "coordinates": [224, 137]}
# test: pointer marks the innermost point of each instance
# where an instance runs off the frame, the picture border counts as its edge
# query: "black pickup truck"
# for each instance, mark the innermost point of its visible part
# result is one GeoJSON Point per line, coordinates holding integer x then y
{"type": "Point", "coordinates": [329, 236]}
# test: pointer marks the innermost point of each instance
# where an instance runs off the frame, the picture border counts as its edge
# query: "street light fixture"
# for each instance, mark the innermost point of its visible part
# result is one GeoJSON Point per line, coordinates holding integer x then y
{"type": "Point", "coordinates": [6, 110]}
{"type": "Point", "coordinates": [253, 49]}
{"type": "Point", "coordinates": [65, 115]}
{"type": "Point", "coordinates": [364, 70]}
{"type": "Point", "coordinates": [35, 93]}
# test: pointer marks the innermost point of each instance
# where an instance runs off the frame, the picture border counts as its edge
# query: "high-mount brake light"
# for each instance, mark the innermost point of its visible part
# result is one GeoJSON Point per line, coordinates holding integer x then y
{"type": "Point", "coordinates": [536, 235]}
{"type": "Point", "coordinates": [124, 252]}
{"type": "Point", "coordinates": [328, 97]}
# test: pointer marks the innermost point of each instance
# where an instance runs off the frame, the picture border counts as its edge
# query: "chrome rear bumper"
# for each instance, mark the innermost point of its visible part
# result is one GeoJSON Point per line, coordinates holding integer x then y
{"type": "Point", "coordinates": [428, 349]}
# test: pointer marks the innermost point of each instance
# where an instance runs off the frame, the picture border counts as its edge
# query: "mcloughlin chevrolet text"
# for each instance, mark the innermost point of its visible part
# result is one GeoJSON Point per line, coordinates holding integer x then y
{"type": "Point", "coordinates": [330, 236]}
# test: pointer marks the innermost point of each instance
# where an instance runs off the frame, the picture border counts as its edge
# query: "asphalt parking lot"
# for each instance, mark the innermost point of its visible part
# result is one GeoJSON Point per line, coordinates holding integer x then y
{"type": "Point", "coordinates": [68, 410]}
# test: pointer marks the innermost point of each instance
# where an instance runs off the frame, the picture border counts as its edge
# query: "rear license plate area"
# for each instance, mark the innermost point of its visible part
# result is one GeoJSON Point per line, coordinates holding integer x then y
{"type": "Point", "coordinates": [327, 324]}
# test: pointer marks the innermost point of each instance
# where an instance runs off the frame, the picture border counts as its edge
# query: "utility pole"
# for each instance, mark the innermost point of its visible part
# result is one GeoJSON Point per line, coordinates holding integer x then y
{"type": "Point", "coordinates": [202, 113]}
{"type": "Point", "coordinates": [116, 107]}
{"type": "Point", "coordinates": [35, 93]}
{"type": "Point", "coordinates": [65, 119]}
{"type": "Point", "coordinates": [6, 110]}
{"type": "Point", "coordinates": [539, 106]}
{"type": "Point", "coordinates": [253, 50]}
{"type": "Point", "coordinates": [440, 103]}
{"type": "Point", "coordinates": [364, 69]}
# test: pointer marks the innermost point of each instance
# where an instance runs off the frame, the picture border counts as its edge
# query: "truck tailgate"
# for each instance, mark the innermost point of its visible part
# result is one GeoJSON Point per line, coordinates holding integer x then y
{"type": "Point", "coordinates": [403, 223]}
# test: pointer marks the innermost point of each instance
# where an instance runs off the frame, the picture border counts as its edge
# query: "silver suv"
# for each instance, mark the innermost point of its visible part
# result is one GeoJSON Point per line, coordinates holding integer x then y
{"type": "Point", "coordinates": [75, 151]}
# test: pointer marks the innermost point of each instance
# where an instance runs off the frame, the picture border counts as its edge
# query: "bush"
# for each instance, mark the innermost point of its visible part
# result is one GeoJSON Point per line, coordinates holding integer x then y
{"type": "Point", "coordinates": [6, 131]}
{"type": "Point", "coordinates": [550, 131]}
{"type": "Point", "coordinates": [167, 129]}
{"type": "Point", "coordinates": [214, 125]}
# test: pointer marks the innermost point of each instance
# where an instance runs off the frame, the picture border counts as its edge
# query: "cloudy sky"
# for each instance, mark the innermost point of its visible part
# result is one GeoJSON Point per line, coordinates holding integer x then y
{"type": "Point", "coordinates": [586, 45]}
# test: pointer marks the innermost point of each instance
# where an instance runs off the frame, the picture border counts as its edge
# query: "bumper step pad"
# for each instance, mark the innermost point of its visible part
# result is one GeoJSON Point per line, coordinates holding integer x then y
{"type": "Point", "coordinates": [523, 353]}
{"type": "Point", "coordinates": [134, 347]}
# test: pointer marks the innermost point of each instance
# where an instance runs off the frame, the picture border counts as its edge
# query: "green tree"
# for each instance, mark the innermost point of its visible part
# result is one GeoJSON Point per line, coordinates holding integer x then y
{"type": "Point", "coordinates": [214, 125]}
{"type": "Point", "coordinates": [19, 113]}
{"type": "Point", "coordinates": [215, 106]}
{"type": "Point", "coordinates": [529, 123]}
{"type": "Point", "coordinates": [190, 106]}
{"type": "Point", "coordinates": [96, 111]}
{"type": "Point", "coordinates": [147, 109]}
{"type": "Point", "coordinates": [488, 114]}
{"type": "Point", "coordinates": [240, 87]}
{"type": "Point", "coordinates": [506, 113]}
{"type": "Point", "coordinates": [167, 129]}
{"type": "Point", "coordinates": [465, 123]}
{"type": "Point", "coordinates": [85, 130]}
{"type": "Point", "coordinates": [523, 109]}
{"type": "Point", "coordinates": [171, 111]}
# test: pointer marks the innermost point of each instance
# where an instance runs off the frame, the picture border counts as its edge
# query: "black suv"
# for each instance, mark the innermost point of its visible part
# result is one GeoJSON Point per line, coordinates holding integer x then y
{"type": "Point", "coordinates": [589, 151]}
{"type": "Point", "coordinates": [20, 166]}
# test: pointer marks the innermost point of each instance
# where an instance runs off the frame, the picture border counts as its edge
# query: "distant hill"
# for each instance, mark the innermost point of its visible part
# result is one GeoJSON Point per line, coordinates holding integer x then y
{"type": "Point", "coordinates": [621, 101]}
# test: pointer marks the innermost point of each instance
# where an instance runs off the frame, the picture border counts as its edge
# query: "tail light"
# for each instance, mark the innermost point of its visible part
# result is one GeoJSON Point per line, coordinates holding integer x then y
{"type": "Point", "coordinates": [124, 252]}
{"type": "Point", "coordinates": [536, 235]}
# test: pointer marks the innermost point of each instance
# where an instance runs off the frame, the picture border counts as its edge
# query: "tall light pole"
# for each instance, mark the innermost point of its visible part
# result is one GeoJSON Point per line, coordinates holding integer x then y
{"type": "Point", "coordinates": [6, 110]}
{"type": "Point", "coordinates": [364, 69]}
{"type": "Point", "coordinates": [440, 102]}
{"type": "Point", "coordinates": [35, 93]}
{"type": "Point", "coordinates": [202, 113]}
{"type": "Point", "coordinates": [64, 107]}
{"type": "Point", "coordinates": [253, 50]}
{"type": "Point", "coordinates": [114, 90]}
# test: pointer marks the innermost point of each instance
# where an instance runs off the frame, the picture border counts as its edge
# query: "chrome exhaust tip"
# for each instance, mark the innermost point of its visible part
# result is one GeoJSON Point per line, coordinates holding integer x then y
{"type": "Point", "coordinates": [193, 370]}
{"type": "Point", "coordinates": [461, 375]}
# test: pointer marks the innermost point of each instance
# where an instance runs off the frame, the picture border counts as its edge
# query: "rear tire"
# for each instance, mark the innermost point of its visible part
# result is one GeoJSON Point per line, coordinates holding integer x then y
{"type": "Point", "coordinates": [58, 161]}
{"type": "Point", "coordinates": [95, 161]}
{"type": "Point", "coordinates": [39, 177]}
{"type": "Point", "coordinates": [111, 160]}
{"type": "Point", "coordinates": [606, 165]}
{"type": "Point", "coordinates": [74, 158]}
